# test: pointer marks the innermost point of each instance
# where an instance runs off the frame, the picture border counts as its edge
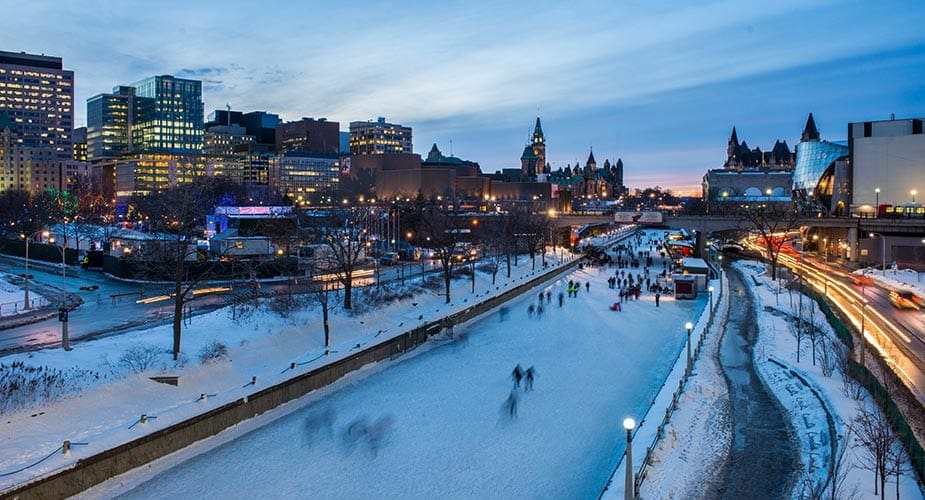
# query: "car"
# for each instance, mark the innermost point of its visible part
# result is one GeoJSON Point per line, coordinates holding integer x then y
{"type": "Point", "coordinates": [904, 299]}
{"type": "Point", "coordinates": [862, 279]}
{"type": "Point", "coordinates": [90, 287]}
{"type": "Point", "coordinates": [388, 259]}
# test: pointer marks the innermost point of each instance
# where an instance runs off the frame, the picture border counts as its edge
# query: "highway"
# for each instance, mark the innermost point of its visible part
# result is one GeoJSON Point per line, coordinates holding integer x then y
{"type": "Point", "coordinates": [898, 335]}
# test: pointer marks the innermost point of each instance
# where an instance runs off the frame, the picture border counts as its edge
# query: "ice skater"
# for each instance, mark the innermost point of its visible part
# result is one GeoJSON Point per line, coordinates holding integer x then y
{"type": "Point", "coordinates": [517, 374]}
{"type": "Point", "coordinates": [511, 404]}
{"type": "Point", "coordinates": [528, 379]}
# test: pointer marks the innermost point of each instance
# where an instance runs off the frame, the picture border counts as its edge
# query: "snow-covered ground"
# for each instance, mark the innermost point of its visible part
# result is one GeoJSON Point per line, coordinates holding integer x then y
{"type": "Point", "coordinates": [11, 298]}
{"type": "Point", "coordinates": [804, 391]}
{"type": "Point", "coordinates": [110, 398]}
{"type": "Point", "coordinates": [451, 435]}
{"type": "Point", "coordinates": [897, 279]}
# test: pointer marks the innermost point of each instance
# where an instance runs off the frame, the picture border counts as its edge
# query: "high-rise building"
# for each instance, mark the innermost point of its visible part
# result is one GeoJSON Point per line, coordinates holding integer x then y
{"type": "Point", "coordinates": [167, 116]}
{"type": "Point", "coordinates": [316, 137]}
{"type": "Point", "coordinates": [379, 137]}
{"type": "Point", "coordinates": [80, 144]}
{"type": "Point", "coordinates": [160, 114]}
{"type": "Point", "coordinates": [37, 96]}
{"type": "Point", "coordinates": [108, 124]}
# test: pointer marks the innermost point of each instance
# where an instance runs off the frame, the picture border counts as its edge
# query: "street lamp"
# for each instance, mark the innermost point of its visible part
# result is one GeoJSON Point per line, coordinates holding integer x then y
{"type": "Point", "coordinates": [62, 311]}
{"type": "Point", "coordinates": [688, 326]}
{"type": "Point", "coordinates": [882, 251]}
{"type": "Point", "coordinates": [913, 193]}
{"type": "Point", "coordinates": [825, 244]}
{"type": "Point", "coordinates": [710, 289]}
{"type": "Point", "coordinates": [629, 491]}
{"type": "Point", "coordinates": [863, 308]}
{"type": "Point", "coordinates": [44, 234]}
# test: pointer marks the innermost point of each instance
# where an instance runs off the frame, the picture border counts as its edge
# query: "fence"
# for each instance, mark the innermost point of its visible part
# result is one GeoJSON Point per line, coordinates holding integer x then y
{"type": "Point", "coordinates": [17, 307]}
{"type": "Point", "coordinates": [647, 460]}
{"type": "Point", "coordinates": [885, 400]}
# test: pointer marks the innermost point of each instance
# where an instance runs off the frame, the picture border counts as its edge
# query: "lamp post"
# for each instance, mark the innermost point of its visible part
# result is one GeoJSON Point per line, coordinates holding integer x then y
{"type": "Point", "coordinates": [913, 193]}
{"type": "Point", "coordinates": [720, 268]}
{"type": "Point", "coordinates": [689, 326]}
{"type": "Point", "coordinates": [863, 346]}
{"type": "Point", "coordinates": [629, 492]}
{"type": "Point", "coordinates": [710, 289]}
{"type": "Point", "coordinates": [44, 234]}
{"type": "Point", "coordinates": [63, 310]}
{"type": "Point", "coordinates": [825, 245]}
{"type": "Point", "coordinates": [882, 252]}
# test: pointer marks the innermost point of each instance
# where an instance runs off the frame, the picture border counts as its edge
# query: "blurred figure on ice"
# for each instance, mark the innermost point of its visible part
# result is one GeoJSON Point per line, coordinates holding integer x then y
{"type": "Point", "coordinates": [528, 379]}
{"type": "Point", "coordinates": [517, 375]}
{"type": "Point", "coordinates": [511, 404]}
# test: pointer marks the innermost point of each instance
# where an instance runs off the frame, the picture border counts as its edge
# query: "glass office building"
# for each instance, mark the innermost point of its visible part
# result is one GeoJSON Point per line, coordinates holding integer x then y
{"type": "Point", "coordinates": [160, 114]}
{"type": "Point", "coordinates": [168, 116]}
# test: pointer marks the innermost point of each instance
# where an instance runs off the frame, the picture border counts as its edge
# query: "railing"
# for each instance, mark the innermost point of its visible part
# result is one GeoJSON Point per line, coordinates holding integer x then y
{"type": "Point", "coordinates": [18, 306]}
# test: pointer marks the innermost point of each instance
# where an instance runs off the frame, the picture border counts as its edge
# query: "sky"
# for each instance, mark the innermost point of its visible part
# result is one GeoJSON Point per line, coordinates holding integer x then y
{"type": "Point", "coordinates": [658, 84]}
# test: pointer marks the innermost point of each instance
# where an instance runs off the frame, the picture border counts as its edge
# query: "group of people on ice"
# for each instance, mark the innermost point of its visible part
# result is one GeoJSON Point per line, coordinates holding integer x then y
{"type": "Point", "coordinates": [518, 375]}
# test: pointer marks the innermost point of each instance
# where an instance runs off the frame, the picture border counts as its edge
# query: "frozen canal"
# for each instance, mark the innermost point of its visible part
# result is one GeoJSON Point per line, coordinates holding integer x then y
{"type": "Point", "coordinates": [444, 430]}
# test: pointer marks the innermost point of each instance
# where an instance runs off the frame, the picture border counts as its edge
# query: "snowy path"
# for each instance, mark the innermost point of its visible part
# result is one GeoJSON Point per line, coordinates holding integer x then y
{"type": "Point", "coordinates": [451, 437]}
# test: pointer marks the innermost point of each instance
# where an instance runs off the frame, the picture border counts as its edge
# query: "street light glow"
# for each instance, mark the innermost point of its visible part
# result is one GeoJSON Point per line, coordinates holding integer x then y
{"type": "Point", "coordinates": [628, 423]}
{"type": "Point", "coordinates": [689, 325]}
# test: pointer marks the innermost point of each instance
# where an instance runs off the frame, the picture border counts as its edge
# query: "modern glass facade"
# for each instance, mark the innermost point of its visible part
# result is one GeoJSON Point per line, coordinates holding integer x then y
{"type": "Point", "coordinates": [304, 174]}
{"type": "Point", "coordinates": [158, 115]}
{"type": "Point", "coordinates": [813, 159]}
{"type": "Point", "coordinates": [168, 116]}
{"type": "Point", "coordinates": [108, 126]}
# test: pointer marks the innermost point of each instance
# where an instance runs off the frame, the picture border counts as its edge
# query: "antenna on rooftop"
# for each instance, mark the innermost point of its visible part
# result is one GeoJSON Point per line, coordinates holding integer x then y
{"type": "Point", "coordinates": [228, 118]}
{"type": "Point", "coordinates": [451, 147]}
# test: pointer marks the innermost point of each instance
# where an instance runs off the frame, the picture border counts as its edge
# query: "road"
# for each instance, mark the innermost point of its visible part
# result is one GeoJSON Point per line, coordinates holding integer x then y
{"type": "Point", "coordinates": [114, 306]}
{"type": "Point", "coordinates": [898, 335]}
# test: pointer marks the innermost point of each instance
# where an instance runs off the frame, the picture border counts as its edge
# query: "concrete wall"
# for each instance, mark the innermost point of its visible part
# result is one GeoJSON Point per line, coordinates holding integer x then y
{"type": "Point", "coordinates": [98, 468]}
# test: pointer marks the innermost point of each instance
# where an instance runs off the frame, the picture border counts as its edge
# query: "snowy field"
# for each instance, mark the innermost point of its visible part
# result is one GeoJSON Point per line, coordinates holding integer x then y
{"type": "Point", "coordinates": [443, 427]}
{"type": "Point", "coordinates": [11, 298]}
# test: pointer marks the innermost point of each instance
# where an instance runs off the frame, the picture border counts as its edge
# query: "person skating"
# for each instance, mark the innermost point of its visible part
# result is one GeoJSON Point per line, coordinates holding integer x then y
{"type": "Point", "coordinates": [517, 374]}
{"type": "Point", "coordinates": [528, 379]}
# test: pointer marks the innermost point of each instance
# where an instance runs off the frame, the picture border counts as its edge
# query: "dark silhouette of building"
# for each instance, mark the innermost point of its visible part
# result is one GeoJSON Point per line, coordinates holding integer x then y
{"type": "Point", "coordinates": [533, 159]}
{"type": "Point", "coordinates": [310, 136]}
{"type": "Point", "coordinates": [739, 156]}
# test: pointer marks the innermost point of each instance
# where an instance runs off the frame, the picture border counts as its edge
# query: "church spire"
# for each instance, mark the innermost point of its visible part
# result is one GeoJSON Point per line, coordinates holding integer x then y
{"type": "Point", "coordinates": [810, 133]}
{"type": "Point", "coordinates": [538, 132]}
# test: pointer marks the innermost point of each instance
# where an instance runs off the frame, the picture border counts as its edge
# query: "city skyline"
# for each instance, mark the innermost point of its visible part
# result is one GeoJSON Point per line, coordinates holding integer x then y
{"type": "Point", "coordinates": [657, 85]}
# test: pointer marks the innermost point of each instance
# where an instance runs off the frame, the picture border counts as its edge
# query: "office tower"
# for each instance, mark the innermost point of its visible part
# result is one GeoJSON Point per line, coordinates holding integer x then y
{"type": "Point", "coordinates": [316, 137]}
{"type": "Point", "coordinates": [36, 95]}
{"type": "Point", "coordinates": [379, 137]}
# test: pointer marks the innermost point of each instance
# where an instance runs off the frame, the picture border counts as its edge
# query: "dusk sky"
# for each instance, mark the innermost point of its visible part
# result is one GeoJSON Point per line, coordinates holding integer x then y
{"type": "Point", "coordinates": [658, 84]}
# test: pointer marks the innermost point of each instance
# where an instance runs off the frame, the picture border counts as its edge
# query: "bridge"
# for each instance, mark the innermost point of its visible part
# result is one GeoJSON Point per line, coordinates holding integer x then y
{"type": "Point", "coordinates": [842, 235]}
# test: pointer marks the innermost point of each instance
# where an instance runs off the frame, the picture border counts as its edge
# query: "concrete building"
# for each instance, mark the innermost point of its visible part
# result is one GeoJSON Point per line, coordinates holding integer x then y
{"type": "Point", "coordinates": [37, 96]}
{"type": "Point", "coordinates": [887, 160]}
{"type": "Point", "coordinates": [379, 137]}
{"type": "Point", "coordinates": [301, 174]}
{"type": "Point", "coordinates": [310, 136]}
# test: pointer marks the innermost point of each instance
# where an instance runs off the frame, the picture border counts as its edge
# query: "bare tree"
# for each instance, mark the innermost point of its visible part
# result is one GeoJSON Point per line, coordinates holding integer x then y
{"type": "Point", "coordinates": [347, 237]}
{"type": "Point", "coordinates": [442, 228]}
{"type": "Point", "coordinates": [533, 232]}
{"type": "Point", "coordinates": [876, 438]}
{"type": "Point", "coordinates": [321, 290]}
{"type": "Point", "coordinates": [176, 215]}
{"type": "Point", "coordinates": [796, 329]}
{"type": "Point", "coordinates": [772, 222]}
